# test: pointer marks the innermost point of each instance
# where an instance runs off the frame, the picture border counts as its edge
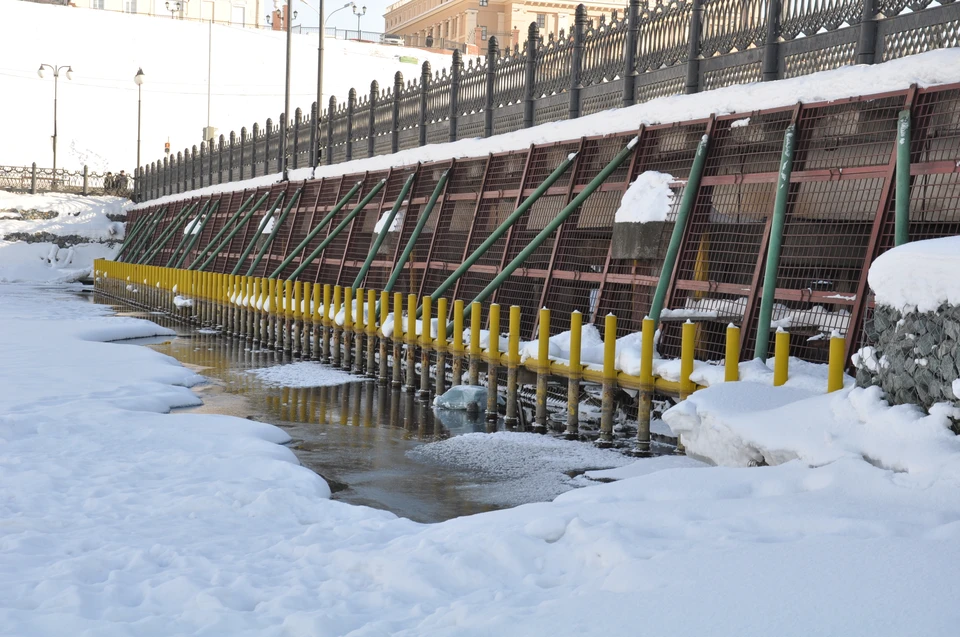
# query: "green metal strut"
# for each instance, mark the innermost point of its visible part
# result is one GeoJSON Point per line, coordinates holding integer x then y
{"type": "Point", "coordinates": [902, 223]}
{"type": "Point", "coordinates": [257, 234]}
{"type": "Point", "coordinates": [194, 236]}
{"type": "Point", "coordinates": [503, 227]}
{"type": "Point", "coordinates": [320, 226]}
{"type": "Point", "coordinates": [187, 235]}
{"type": "Point", "coordinates": [165, 236]}
{"type": "Point", "coordinates": [128, 239]}
{"type": "Point", "coordinates": [233, 232]}
{"type": "Point", "coordinates": [142, 240]}
{"type": "Point", "coordinates": [686, 206]}
{"type": "Point", "coordinates": [276, 229]}
{"type": "Point", "coordinates": [773, 247]}
{"type": "Point", "coordinates": [551, 227]}
{"type": "Point", "coordinates": [226, 227]}
{"type": "Point", "coordinates": [333, 233]}
{"type": "Point", "coordinates": [384, 230]}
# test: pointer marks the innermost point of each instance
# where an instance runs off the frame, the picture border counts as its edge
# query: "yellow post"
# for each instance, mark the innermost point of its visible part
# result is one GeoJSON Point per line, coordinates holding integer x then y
{"type": "Point", "coordinates": [474, 372]}
{"type": "Point", "coordinates": [337, 332]}
{"type": "Point", "coordinates": [288, 298]}
{"type": "Point", "coordinates": [297, 298]}
{"type": "Point", "coordinates": [687, 345]}
{"type": "Point", "coordinates": [513, 362]}
{"type": "Point", "coordinates": [835, 368]}
{"type": "Point", "coordinates": [371, 333]}
{"type": "Point", "coordinates": [493, 361]}
{"type": "Point", "coordinates": [543, 370]}
{"type": "Point", "coordinates": [347, 326]}
{"type": "Point", "coordinates": [358, 328]}
{"type": "Point", "coordinates": [609, 380]}
{"type": "Point", "coordinates": [781, 357]}
{"type": "Point", "coordinates": [411, 339]}
{"type": "Point", "coordinates": [441, 346]}
{"type": "Point", "coordinates": [457, 369]}
{"type": "Point", "coordinates": [573, 380]}
{"type": "Point", "coordinates": [325, 354]}
{"type": "Point", "coordinates": [397, 337]}
{"type": "Point", "coordinates": [426, 341]}
{"type": "Point", "coordinates": [384, 316]}
{"type": "Point", "coordinates": [317, 319]}
{"type": "Point", "coordinates": [731, 365]}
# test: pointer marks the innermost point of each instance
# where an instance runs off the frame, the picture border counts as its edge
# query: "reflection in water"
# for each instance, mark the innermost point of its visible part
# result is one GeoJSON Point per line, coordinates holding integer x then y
{"type": "Point", "coordinates": [357, 433]}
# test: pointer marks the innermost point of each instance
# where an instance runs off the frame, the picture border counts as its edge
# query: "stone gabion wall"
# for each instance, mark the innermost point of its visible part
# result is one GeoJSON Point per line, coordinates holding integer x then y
{"type": "Point", "coordinates": [913, 356]}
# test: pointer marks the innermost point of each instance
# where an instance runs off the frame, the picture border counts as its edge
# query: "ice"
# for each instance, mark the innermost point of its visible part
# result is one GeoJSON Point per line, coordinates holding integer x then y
{"type": "Point", "coordinates": [461, 397]}
{"type": "Point", "coordinates": [303, 374]}
{"type": "Point", "coordinates": [648, 198]}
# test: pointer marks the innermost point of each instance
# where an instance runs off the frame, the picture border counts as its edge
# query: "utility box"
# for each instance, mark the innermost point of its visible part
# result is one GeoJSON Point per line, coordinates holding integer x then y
{"type": "Point", "coordinates": [209, 132]}
{"type": "Point", "coordinates": [636, 240]}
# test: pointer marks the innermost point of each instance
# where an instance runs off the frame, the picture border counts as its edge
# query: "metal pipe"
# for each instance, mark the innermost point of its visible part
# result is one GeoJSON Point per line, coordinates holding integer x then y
{"type": "Point", "coordinates": [731, 364]}
{"type": "Point", "coordinates": [902, 224]}
{"type": "Point", "coordinates": [320, 226]}
{"type": "Point", "coordinates": [425, 343]}
{"type": "Point", "coordinates": [148, 230]}
{"type": "Point", "coordinates": [648, 332]}
{"type": "Point", "coordinates": [573, 379]}
{"type": "Point", "coordinates": [513, 363]}
{"type": "Point", "coordinates": [441, 347]}
{"type": "Point", "coordinates": [521, 209]}
{"type": "Point", "coordinates": [493, 362]}
{"type": "Point", "coordinates": [275, 232]}
{"type": "Point", "coordinates": [194, 236]}
{"type": "Point", "coordinates": [609, 380]}
{"type": "Point", "coordinates": [384, 230]}
{"type": "Point", "coordinates": [187, 235]}
{"type": "Point", "coordinates": [233, 232]}
{"type": "Point", "coordinates": [835, 366]}
{"type": "Point", "coordinates": [129, 238]}
{"type": "Point", "coordinates": [683, 214]}
{"type": "Point", "coordinates": [457, 366]}
{"type": "Point", "coordinates": [773, 248]}
{"type": "Point", "coordinates": [555, 223]}
{"type": "Point", "coordinates": [333, 234]}
{"type": "Point", "coordinates": [543, 370]}
{"type": "Point", "coordinates": [203, 253]}
{"type": "Point", "coordinates": [781, 357]}
{"type": "Point", "coordinates": [164, 237]}
{"type": "Point", "coordinates": [257, 235]}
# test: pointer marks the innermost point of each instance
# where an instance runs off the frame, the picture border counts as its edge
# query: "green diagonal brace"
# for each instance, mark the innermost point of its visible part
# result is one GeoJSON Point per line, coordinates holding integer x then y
{"type": "Point", "coordinates": [551, 227]}
{"type": "Point", "coordinates": [503, 227]}
{"type": "Point", "coordinates": [142, 239]}
{"type": "Point", "coordinates": [384, 231]}
{"type": "Point", "coordinates": [320, 226]}
{"type": "Point", "coordinates": [333, 234]}
{"type": "Point", "coordinates": [129, 238]}
{"type": "Point", "coordinates": [424, 216]}
{"type": "Point", "coordinates": [165, 237]}
{"type": "Point", "coordinates": [257, 234]}
{"type": "Point", "coordinates": [233, 232]}
{"type": "Point", "coordinates": [226, 227]}
{"type": "Point", "coordinates": [276, 230]}
{"type": "Point", "coordinates": [686, 205]}
{"type": "Point", "coordinates": [194, 236]}
{"type": "Point", "coordinates": [187, 235]}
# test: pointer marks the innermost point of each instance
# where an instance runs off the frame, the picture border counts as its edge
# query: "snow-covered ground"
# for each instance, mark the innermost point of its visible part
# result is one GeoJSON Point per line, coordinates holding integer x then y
{"type": "Point", "coordinates": [120, 519]}
{"type": "Point", "coordinates": [926, 69]}
{"type": "Point", "coordinates": [97, 114]}
{"type": "Point", "coordinates": [55, 237]}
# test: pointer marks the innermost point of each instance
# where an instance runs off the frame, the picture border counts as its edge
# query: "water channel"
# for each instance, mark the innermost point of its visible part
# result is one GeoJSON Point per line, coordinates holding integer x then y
{"type": "Point", "coordinates": [356, 435]}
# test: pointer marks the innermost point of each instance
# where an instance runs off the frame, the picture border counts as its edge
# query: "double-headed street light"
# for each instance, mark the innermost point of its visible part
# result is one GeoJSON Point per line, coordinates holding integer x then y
{"type": "Point", "coordinates": [56, 76]}
{"type": "Point", "coordinates": [177, 6]}
{"type": "Point", "coordinates": [138, 80]}
{"type": "Point", "coordinates": [362, 12]}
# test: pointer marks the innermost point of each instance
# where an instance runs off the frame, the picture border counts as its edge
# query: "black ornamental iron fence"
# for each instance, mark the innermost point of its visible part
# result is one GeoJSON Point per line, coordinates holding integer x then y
{"type": "Point", "coordinates": [668, 48]}
{"type": "Point", "coordinates": [35, 180]}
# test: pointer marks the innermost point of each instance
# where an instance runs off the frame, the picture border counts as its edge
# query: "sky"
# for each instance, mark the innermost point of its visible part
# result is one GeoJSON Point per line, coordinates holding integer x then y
{"type": "Point", "coordinates": [343, 18]}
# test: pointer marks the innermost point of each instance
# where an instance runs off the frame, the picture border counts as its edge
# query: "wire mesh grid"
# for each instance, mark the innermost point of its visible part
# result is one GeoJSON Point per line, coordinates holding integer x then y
{"type": "Point", "coordinates": [747, 144]}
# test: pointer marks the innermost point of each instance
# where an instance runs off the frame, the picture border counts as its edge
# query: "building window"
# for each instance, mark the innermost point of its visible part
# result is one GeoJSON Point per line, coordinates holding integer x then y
{"type": "Point", "coordinates": [483, 33]}
{"type": "Point", "coordinates": [484, 3]}
{"type": "Point", "coordinates": [129, 6]}
{"type": "Point", "coordinates": [96, 4]}
{"type": "Point", "coordinates": [541, 20]}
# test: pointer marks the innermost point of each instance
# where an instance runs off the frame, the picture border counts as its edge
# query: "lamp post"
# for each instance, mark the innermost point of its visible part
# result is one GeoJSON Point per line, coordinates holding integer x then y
{"type": "Point", "coordinates": [359, 14]}
{"type": "Point", "coordinates": [177, 6]}
{"type": "Point", "coordinates": [138, 80]}
{"type": "Point", "coordinates": [56, 77]}
{"type": "Point", "coordinates": [286, 94]}
{"type": "Point", "coordinates": [320, 67]}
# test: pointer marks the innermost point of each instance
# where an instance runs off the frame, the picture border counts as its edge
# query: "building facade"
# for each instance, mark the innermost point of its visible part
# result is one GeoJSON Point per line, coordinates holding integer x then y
{"type": "Point", "coordinates": [248, 13]}
{"type": "Point", "coordinates": [446, 23]}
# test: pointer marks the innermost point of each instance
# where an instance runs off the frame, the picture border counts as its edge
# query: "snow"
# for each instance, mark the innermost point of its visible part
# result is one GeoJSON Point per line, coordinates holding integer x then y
{"type": "Point", "coordinates": [395, 226]}
{"type": "Point", "coordinates": [303, 374]}
{"type": "Point", "coordinates": [648, 198]}
{"type": "Point", "coordinates": [462, 397]}
{"type": "Point", "coordinates": [920, 275]}
{"type": "Point", "coordinates": [182, 301]}
{"type": "Point", "coordinates": [122, 519]}
{"type": "Point", "coordinates": [97, 114]}
{"type": "Point", "coordinates": [926, 69]}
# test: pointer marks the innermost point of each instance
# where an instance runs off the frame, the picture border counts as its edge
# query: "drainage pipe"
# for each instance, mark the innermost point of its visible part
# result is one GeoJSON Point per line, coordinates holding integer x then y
{"type": "Point", "coordinates": [776, 241]}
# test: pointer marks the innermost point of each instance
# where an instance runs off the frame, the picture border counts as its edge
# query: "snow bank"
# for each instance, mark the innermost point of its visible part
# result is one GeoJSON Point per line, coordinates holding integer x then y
{"type": "Point", "coordinates": [648, 198]}
{"type": "Point", "coordinates": [921, 275]}
{"type": "Point", "coordinates": [46, 263]}
{"type": "Point", "coordinates": [926, 69]}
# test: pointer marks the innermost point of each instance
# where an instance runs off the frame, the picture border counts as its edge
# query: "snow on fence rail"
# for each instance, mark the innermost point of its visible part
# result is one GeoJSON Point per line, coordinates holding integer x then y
{"type": "Point", "coordinates": [625, 60]}
{"type": "Point", "coordinates": [33, 180]}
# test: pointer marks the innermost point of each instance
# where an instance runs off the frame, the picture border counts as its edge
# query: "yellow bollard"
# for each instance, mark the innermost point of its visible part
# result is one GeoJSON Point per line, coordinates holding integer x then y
{"type": "Point", "coordinates": [411, 339]}
{"type": "Point", "coordinates": [397, 336]}
{"type": "Point", "coordinates": [270, 307]}
{"type": "Point", "coordinates": [426, 341]}
{"type": "Point", "coordinates": [543, 370]}
{"type": "Point", "coordinates": [287, 337]}
{"type": "Point", "coordinates": [325, 345]}
{"type": "Point", "coordinates": [835, 368]}
{"type": "Point", "coordinates": [513, 363]}
{"type": "Point", "coordinates": [609, 380]}
{"type": "Point", "coordinates": [493, 362]}
{"type": "Point", "coordinates": [371, 333]}
{"type": "Point", "coordinates": [358, 329]}
{"type": "Point", "coordinates": [474, 370]}
{"type": "Point", "coordinates": [457, 367]}
{"type": "Point", "coordinates": [688, 337]}
{"type": "Point", "coordinates": [573, 380]}
{"type": "Point", "coordinates": [337, 332]}
{"type": "Point", "coordinates": [781, 357]}
{"type": "Point", "coordinates": [306, 323]}
{"type": "Point", "coordinates": [441, 346]}
{"type": "Point", "coordinates": [317, 320]}
{"type": "Point", "coordinates": [347, 327]}
{"type": "Point", "coordinates": [731, 365]}
{"type": "Point", "coordinates": [384, 316]}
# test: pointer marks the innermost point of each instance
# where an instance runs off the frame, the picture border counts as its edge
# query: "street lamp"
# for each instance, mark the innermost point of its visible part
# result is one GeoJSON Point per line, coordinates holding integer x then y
{"type": "Point", "coordinates": [138, 80]}
{"type": "Point", "coordinates": [359, 14]}
{"type": "Point", "coordinates": [286, 95]}
{"type": "Point", "coordinates": [177, 6]}
{"type": "Point", "coordinates": [56, 76]}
